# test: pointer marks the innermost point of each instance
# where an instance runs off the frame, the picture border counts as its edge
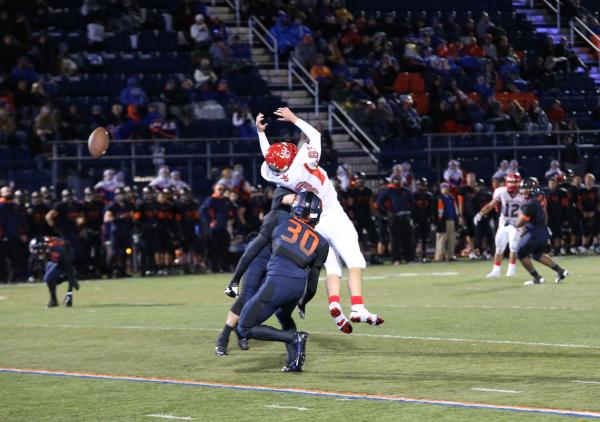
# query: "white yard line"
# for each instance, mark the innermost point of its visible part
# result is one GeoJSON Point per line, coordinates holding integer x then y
{"type": "Point", "coordinates": [492, 307]}
{"type": "Point", "coordinates": [3, 297]}
{"type": "Point", "coordinates": [276, 406]}
{"type": "Point", "coordinates": [496, 390]}
{"type": "Point", "coordinates": [332, 334]}
{"type": "Point", "coordinates": [586, 382]}
{"type": "Point", "coordinates": [179, 418]}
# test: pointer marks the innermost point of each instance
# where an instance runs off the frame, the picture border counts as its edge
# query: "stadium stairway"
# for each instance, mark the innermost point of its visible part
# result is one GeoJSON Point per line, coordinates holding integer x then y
{"type": "Point", "coordinates": [544, 21]}
{"type": "Point", "coordinates": [297, 98]}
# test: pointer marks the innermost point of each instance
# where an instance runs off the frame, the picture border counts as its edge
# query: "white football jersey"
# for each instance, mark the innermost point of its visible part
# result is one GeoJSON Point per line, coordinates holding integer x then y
{"type": "Point", "coordinates": [304, 174]}
{"type": "Point", "coordinates": [510, 205]}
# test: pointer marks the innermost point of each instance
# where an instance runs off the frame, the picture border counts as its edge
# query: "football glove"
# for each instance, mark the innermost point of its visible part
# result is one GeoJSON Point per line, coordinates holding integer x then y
{"type": "Point", "coordinates": [477, 219]}
{"type": "Point", "coordinates": [232, 289]}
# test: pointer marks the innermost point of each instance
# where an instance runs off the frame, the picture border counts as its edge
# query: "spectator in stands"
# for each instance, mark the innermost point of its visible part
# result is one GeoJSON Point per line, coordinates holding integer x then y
{"type": "Point", "coordinates": [73, 124]}
{"type": "Point", "coordinates": [38, 95]}
{"type": "Point", "coordinates": [10, 50]}
{"type": "Point", "coordinates": [496, 118]}
{"type": "Point", "coordinates": [176, 181]}
{"type": "Point", "coordinates": [323, 75]}
{"type": "Point", "coordinates": [513, 167]}
{"type": "Point", "coordinates": [7, 126]}
{"type": "Point", "coordinates": [218, 30]}
{"type": "Point", "coordinates": [162, 180]}
{"type": "Point", "coordinates": [243, 122]}
{"type": "Point", "coordinates": [489, 48]}
{"type": "Point", "coordinates": [554, 170]}
{"type": "Point", "coordinates": [23, 71]}
{"type": "Point", "coordinates": [409, 118]}
{"type": "Point", "coordinates": [173, 98]}
{"type": "Point", "coordinates": [95, 35]}
{"type": "Point", "coordinates": [538, 119]}
{"type": "Point", "coordinates": [570, 155]}
{"type": "Point", "coordinates": [563, 49]}
{"type": "Point", "coordinates": [556, 114]}
{"type": "Point", "coordinates": [220, 54]}
{"type": "Point", "coordinates": [45, 124]}
{"type": "Point", "coordinates": [133, 94]}
{"type": "Point", "coordinates": [240, 51]}
{"type": "Point", "coordinates": [204, 73]}
{"type": "Point", "coordinates": [518, 116]}
{"type": "Point", "coordinates": [199, 32]}
{"type": "Point", "coordinates": [97, 117]}
{"type": "Point", "coordinates": [453, 175]}
{"type": "Point", "coordinates": [502, 170]}
{"type": "Point", "coordinates": [483, 25]}
{"type": "Point", "coordinates": [44, 55]}
{"type": "Point", "coordinates": [306, 51]}
{"type": "Point", "coordinates": [117, 123]}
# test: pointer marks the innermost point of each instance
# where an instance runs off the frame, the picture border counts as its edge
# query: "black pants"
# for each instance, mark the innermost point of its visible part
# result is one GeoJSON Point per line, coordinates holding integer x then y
{"type": "Point", "coordinates": [366, 223]}
{"type": "Point", "coordinates": [218, 250]}
{"type": "Point", "coordinates": [423, 231]}
{"type": "Point", "coordinates": [401, 234]}
{"type": "Point", "coordinates": [484, 234]}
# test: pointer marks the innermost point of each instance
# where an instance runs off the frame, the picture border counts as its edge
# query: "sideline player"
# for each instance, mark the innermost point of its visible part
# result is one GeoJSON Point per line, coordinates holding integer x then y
{"type": "Point", "coordinates": [535, 236]}
{"type": "Point", "coordinates": [58, 267]}
{"type": "Point", "coordinates": [510, 200]}
{"type": "Point", "coordinates": [298, 253]}
{"type": "Point", "coordinates": [299, 171]}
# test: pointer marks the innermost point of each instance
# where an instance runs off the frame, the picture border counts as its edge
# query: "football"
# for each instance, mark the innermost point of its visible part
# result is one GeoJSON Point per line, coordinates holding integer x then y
{"type": "Point", "coordinates": [98, 142]}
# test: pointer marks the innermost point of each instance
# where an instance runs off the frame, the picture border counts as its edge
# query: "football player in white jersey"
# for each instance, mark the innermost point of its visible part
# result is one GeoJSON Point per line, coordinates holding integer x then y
{"type": "Point", "coordinates": [298, 170]}
{"type": "Point", "coordinates": [509, 199]}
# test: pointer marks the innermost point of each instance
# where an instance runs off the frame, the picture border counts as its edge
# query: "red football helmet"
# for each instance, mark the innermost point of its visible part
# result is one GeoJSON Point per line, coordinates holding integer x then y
{"type": "Point", "coordinates": [280, 156]}
{"type": "Point", "coordinates": [512, 182]}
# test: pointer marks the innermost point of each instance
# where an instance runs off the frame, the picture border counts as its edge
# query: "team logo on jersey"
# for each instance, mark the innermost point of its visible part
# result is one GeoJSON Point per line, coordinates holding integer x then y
{"type": "Point", "coordinates": [305, 186]}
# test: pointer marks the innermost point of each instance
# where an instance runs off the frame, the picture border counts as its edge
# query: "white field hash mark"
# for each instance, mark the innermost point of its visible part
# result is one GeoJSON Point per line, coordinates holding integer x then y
{"type": "Point", "coordinates": [496, 390]}
{"type": "Point", "coordinates": [586, 382]}
{"type": "Point", "coordinates": [179, 418]}
{"type": "Point", "coordinates": [331, 334]}
{"type": "Point", "coordinates": [277, 406]}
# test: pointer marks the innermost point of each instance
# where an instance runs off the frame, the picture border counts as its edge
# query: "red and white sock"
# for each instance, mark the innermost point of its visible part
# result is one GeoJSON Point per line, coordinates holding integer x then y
{"type": "Point", "coordinates": [335, 309]}
{"type": "Point", "coordinates": [361, 314]}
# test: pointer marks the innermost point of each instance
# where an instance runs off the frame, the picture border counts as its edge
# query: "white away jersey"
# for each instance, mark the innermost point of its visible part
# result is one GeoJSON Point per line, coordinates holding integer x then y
{"type": "Point", "coordinates": [305, 175]}
{"type": "Point", "coordinates": [510, 205]}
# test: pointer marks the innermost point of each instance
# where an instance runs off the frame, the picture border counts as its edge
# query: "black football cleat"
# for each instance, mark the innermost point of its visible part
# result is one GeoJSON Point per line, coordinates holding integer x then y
{"type": "Point", "coordinates": [561, 275]}
{"type": "Point", "coordinates": [243, 343]}
{"type": "Point", "coordinates": [220, 350]}
{"type": "Point", "coordinates": [232, 289]}
{"type": "Point", "coordinates": [299, 344]}
{"type": "Point", "coordinates": [52, 304]}
{"type": "Point", "coordinates": [68, 301]}
{"type": "Point", "coordinates": [291, 367]}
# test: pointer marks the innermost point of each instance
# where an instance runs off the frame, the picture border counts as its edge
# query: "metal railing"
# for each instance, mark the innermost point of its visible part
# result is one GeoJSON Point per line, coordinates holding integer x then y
{"type": "Point", "coordinates": [554, 6]}
{"type": "Point", "coordinates": [130, 158]}
{"type": "Point", "coordinates": [353, 129]}
{"type": "Point", "coordinates": [235, 5]}
{"type": "Point", "coordinates": [258, 30]}
{"type": "Point", "coordinates": [295, 69]}
{"type": "Point", "coordinates": [577, 26]}
{"type": "Point", "coordinates": [453, 145]}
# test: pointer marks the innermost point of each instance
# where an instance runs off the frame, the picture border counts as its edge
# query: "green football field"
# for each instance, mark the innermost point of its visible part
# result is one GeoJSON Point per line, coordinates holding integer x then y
{"type": "Point", "coordinates": [449, 335]}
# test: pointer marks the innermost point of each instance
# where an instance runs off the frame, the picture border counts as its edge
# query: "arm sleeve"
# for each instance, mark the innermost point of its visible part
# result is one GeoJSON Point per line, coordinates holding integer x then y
{"type": "Point", "coordinates": [278, 195]}
{"type": "Point", "coordinates": [264, 143]}
{"type": "Point", "coordinates": [312, 280]}
{"type": "Point", "coordinates": [314, 136]}
{"type": "Point", "coordinates": [253, 249]}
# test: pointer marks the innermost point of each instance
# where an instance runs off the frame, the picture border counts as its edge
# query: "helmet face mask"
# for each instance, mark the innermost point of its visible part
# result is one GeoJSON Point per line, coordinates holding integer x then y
{"type": "Point", "coordinates": [512, 182]}
{"type": "Point", "coordinates": [527, 187]}
{"type": "Point", "coordinates": [280, 156]}
{"type": "Point", "coordinates": [307, 207]}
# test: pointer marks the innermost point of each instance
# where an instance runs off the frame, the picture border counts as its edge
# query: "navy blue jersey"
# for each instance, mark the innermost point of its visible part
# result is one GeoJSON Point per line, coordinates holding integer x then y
{"type": "Point", "coordinates": [295, 245]}
{"type": "Point", "coordinates": [533, 213]}
{"type": "Point", "coordinates": [122, 215]}
{"type": "Point", "coordinates": [66, 219]}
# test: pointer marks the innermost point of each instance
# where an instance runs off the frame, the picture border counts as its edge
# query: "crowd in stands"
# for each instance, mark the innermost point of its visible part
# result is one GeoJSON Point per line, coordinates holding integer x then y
{"type": "Point", "coordinates": [426, 72]}
{"type": "Point", "coordinates": [43, 75]}
{"type": "Point", "coordinates": [160, 228]}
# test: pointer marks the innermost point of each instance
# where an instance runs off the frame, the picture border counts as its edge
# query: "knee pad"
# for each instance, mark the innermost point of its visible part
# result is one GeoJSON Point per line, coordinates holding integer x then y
{"type": "Point", "coordinates": [333, 264]}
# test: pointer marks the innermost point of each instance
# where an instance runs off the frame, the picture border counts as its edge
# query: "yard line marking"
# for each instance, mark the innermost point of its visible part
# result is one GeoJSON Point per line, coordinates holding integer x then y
{"type": "Point", "coordinates": [276, 406]}
{"type": "Point", "coordinates": [586, 382]}
{"type": "Point", "coordinates": [331, 334]}
{"type": "Point", "coordinates": [3, 297]}
{"type": "Point", "coordinates": [179, 418]}
{"type": "Point", "coordinates": [309, 392]}
{"type": "Point", "coordinates": [516, 307]}
{"type": "Point", "coordinates": [495, 390]}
